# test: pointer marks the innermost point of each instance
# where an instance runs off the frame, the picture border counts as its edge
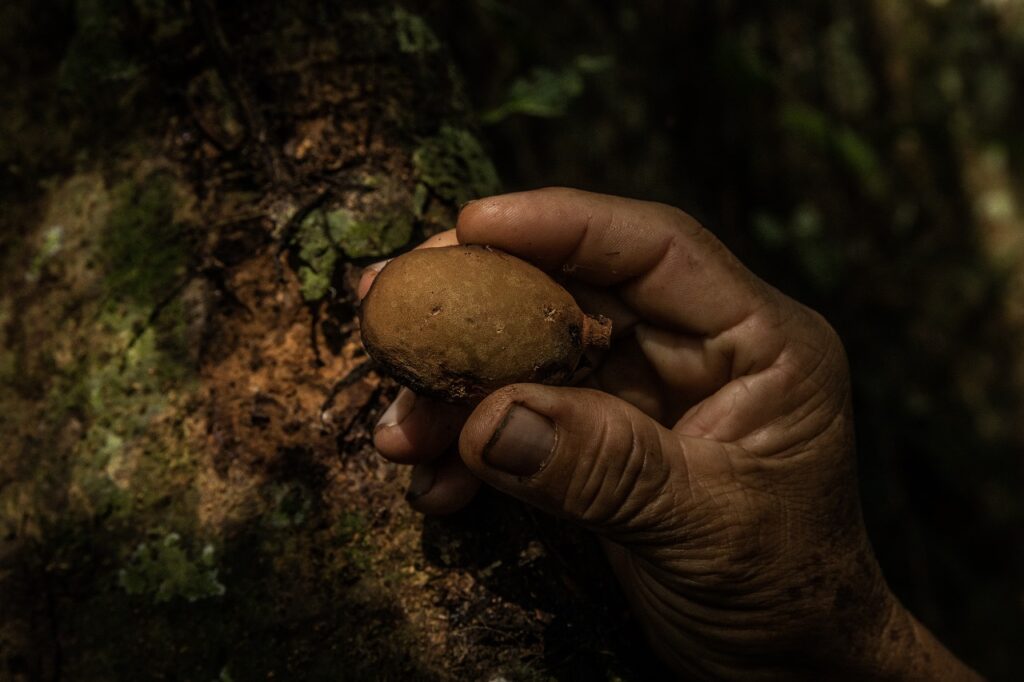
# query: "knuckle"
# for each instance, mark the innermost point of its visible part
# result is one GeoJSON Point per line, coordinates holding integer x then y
{"type": "Point", "coordinates": [820, 325]}
{"type": "Point", "coordinates": [685, 225]}
{"type": "Point", "coordinates": [782, 317]}
{"type": "Point", "coordinates": [586, 497]}
{"type": "Point", "coordinates": [821, 335]}
{"type": "Point", "coordinates": [620, 478]}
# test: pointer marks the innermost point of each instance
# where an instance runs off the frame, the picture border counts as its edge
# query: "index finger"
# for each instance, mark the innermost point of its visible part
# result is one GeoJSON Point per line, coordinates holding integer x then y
{"type": "Point", "coordinates": [664, 265]}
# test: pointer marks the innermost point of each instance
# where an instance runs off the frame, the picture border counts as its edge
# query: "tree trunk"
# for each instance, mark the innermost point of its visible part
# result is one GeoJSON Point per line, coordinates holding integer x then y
{"type": "Point", "coordinates": [188, 488]}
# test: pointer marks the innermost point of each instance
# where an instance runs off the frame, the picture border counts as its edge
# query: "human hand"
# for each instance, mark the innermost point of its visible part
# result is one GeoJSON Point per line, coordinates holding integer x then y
{"type": "Point", "coordinates": [711, 451]}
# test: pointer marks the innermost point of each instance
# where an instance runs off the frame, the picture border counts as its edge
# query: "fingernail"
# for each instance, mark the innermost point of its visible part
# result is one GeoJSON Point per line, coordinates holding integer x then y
{"type": "Point", "coordinates": [422, 481]}
{"type": "Point", "coordinates": [522, 443]}
{"type": "Point", "coordinates": [397, 411]}
{"type": "Point", "coordinates": [377, 267]}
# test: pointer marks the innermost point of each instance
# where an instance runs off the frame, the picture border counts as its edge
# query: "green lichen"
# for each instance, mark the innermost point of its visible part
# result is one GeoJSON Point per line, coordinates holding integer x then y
{"type": "Point", "coordinates": [372, 236]}
{"type": "Point", "coordinates": [122, 400]}
{"type": "Point", "coordinates": [325, 234]}
{"type": "Point", "coordinates": [165, 571]}
{"type": "Point", "coordinates": [53, 238]}
{"type": "Point", "coordinates": [454, 166]}
{"type": "Point", "coordinates": [290, 506]}
{"type": "Point", "coordinates": [142, 247]}
{"type": "Point", "coordinates": [128, 368]}
{"type": "Point", "coordinates": [413, 33]}
{"type": "Point", "coordinates": [420, 197]}
{"type": "Point", "coordinates": [318, 255]}
{"type": "Point", "coordinates": [351, 534]}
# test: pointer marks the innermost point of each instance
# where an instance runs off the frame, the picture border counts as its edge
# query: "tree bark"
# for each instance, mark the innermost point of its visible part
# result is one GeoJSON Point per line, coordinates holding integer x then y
{"type": "Point", "coordinates": [188, 488]}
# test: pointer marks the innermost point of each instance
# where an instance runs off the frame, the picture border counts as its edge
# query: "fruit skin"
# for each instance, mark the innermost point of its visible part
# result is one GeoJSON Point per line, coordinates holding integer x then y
{"type": "Point", "coordinates": [458, 322]}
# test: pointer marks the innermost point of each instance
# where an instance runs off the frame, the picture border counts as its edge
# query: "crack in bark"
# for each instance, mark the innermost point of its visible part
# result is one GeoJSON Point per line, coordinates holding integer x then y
{"type": "Point", "coordinates": [355, 374]}
{"type": "Point", "coordinates": [290, 227]}
{"type": "Point", "coordinates": [227, 67]}
{"type": "Point", "coordinates": [154, 315]}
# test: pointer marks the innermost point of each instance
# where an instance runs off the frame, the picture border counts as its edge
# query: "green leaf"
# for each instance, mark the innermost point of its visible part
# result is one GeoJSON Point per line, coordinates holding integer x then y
{"type": "Point", "coordinates": [547, 93]}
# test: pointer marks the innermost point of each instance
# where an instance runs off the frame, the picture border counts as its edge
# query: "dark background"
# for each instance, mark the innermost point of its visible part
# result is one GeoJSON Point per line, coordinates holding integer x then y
{"type": "Point", "coordinates": [864, 157]}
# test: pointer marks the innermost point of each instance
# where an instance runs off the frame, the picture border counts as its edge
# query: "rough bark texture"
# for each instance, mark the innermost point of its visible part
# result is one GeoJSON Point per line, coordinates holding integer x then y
{"type": "Point", "coordinates": [187, 486]}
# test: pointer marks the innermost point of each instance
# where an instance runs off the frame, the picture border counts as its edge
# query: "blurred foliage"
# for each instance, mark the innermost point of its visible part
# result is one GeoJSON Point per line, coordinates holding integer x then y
{"type": "Point", "coordinates": [547, 92]}
{"type": "Point", "coordinates": [868, 159]}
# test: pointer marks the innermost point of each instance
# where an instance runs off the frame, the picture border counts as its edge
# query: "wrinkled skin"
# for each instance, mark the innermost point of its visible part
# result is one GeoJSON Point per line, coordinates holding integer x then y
{"type": "Point", "coordinates": [712, 450]}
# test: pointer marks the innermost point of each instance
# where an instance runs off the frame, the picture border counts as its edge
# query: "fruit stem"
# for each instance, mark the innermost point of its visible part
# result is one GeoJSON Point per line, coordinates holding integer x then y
{"type": "Point", "coordinates": [597, 331]}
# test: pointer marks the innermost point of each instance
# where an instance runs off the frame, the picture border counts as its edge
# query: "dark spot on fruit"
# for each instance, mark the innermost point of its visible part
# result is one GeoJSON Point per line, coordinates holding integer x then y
{"type": "Point", "coordinates": [575, 334]}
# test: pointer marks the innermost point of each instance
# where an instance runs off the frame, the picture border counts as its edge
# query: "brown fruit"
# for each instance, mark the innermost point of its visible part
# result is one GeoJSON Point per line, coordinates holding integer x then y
{"type": "Point", "coordinates": [458, 322]}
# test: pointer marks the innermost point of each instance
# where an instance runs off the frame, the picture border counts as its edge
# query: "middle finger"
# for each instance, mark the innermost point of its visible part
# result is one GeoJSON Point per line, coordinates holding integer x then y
{"type": "Point", "coordinates": [417, 429]}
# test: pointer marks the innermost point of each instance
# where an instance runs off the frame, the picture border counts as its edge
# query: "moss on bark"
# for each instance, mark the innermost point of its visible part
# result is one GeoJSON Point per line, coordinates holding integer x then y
{"type": "Point", "coordinates": [189, 488]}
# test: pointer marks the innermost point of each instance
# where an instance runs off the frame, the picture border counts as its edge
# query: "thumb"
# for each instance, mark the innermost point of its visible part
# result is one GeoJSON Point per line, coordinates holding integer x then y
{"type": "Point", "coordinates": [582, 454]}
